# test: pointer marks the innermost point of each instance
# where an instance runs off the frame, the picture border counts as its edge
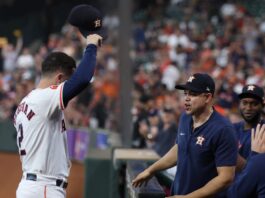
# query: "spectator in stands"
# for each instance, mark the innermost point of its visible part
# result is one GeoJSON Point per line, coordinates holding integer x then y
{"type": "Point", "coordinates": [205, 151]}
{"type": "Point", "coordinates": [166, 137]}
{"type": "Point", "coordinates": [11, 52]}
{"type": "Point", "coordinates": [145, 103]}
{"type": "Point", "coordinates": [150, 127]}
{"type": "Point", "coordinates": [227, 97]}
{"type": "Point", "coordinates": [3, 42]}
{"type": "Point", "coordinates": [170, 76]}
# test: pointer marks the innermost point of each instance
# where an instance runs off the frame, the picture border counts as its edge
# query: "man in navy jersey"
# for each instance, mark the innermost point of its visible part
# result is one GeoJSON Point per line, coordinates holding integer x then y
{"type": "Point", "coordinates": [205, 151]}
{"type": "Point", "coordinates": [251, 182]}
{"type": "Point", "coordinates": [250, 107]}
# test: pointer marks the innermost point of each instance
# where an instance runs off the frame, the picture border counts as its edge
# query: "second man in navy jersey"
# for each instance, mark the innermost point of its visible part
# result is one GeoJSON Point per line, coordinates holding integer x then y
{"type": "Point", "coordinates": [251, 181]}
{"type": "Point", "coordinates": [250, 107]}
{"type": "Point", "coordinates": [205, 151]}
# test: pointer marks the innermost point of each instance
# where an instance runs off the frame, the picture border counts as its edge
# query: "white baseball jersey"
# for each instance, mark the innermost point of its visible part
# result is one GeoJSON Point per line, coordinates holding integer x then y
{"type": "Point", "coordinates": [41, 133]}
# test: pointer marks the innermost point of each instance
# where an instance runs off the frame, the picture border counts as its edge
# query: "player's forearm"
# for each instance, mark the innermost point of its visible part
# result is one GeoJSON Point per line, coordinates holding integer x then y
{"type": "Point", "coordinates": [86, 68]}
{"type": "Point", "coordinates": [82, 76]}
{"type": "Point", "coordinates": [214, 186]}
{"type": "Point", "coordinates": [167, 161]}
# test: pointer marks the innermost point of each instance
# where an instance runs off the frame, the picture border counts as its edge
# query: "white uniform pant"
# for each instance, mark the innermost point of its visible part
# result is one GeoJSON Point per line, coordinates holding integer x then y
{"type": "Point", "coordinates": [39, 189]}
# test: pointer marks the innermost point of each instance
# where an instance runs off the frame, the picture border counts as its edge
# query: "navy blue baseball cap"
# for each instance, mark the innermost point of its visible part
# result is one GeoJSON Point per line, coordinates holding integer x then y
{"type": "Point", "coordinates": [87, 19]}
{"type": "Point", "coordinates": [199, 83]}
{"type": "Point", "coordinates": [252, 91]}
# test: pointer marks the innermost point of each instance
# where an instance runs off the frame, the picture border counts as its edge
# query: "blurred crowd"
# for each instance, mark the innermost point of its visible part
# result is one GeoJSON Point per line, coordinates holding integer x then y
{"type": "Point", "coordinates": [177, 38]}
{"type": "Point", "coordinates": [20, 72]}
{"type": "Point", "coordinates": [171, 40]}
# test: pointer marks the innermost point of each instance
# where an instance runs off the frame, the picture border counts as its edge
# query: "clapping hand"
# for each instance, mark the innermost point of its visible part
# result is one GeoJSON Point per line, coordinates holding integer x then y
{"type": "Point", "coordinates": [258, 139]}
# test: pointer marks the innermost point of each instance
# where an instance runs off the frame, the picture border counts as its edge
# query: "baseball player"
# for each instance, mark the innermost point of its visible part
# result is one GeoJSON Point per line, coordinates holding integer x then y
{"type": "Point", "coordinates": [205, 151]}
{"type": "Point", "coordinates": [251, 181]}
{"type": "Point", "coordinates": [250, 107]}
{"type": "Point", "coordinates": [39, 118]}
{"type": "Point", "coordinates": [40, 125]}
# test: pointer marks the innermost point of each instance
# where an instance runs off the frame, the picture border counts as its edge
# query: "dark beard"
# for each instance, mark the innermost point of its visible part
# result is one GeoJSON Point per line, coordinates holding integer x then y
{"type": "Point", "coordinates": [253, 120]}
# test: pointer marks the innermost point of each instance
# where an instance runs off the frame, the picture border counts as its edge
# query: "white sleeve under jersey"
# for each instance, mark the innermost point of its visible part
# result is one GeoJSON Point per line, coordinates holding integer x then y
{"type": "Point", "coordinates": [41, 133]}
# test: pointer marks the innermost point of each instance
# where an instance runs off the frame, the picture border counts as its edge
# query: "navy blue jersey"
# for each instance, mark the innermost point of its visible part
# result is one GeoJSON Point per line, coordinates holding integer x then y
{"type": "Point", "coordinates": [201, 151]}
{"type": "Point", "coordinates": [251, 182]}
{"type": "Point", "coordinates": [244, 139]}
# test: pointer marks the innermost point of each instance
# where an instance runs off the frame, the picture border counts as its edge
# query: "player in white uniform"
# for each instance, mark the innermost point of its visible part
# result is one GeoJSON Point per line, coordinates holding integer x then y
{"type": "Point", "coordinates": [39, 120]}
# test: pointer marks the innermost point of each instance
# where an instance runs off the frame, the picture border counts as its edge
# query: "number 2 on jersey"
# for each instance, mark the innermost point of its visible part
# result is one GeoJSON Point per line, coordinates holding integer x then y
{"type": "Point", "coordinates": [20, 138]}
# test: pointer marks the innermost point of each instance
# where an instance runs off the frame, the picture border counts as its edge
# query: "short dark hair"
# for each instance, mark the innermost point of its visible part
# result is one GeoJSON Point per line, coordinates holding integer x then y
{"type": "Point", "coordinates": [58, 61]}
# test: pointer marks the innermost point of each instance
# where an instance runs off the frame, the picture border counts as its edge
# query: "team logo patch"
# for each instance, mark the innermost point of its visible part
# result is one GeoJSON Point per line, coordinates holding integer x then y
{"type": "Point", "coordinates": [191, 78]}
{"type": "Point", "coordinates": [97, 23]}
{"type": "Point", "coordinates": [251, 88]}
{"type": "Point", "coordinates": [200, 140]}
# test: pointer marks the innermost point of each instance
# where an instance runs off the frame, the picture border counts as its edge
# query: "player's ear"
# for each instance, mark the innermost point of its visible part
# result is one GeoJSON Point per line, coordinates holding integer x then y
{"type": "Point", "coordinates": [209, 97]}
{"type": "Point", "coordinates": [59, 78]}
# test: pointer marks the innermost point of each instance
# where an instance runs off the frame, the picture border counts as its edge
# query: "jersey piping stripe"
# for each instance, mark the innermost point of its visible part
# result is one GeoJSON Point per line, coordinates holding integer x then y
{"type": "Point", "coordinates": [45, 188]}
{"type": "Point", "coordinates": [61, 97]}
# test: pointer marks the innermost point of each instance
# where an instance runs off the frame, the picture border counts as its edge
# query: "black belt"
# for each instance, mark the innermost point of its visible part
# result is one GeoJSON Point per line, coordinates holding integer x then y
{"type": "Point", "coordinates": [59, 182]}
